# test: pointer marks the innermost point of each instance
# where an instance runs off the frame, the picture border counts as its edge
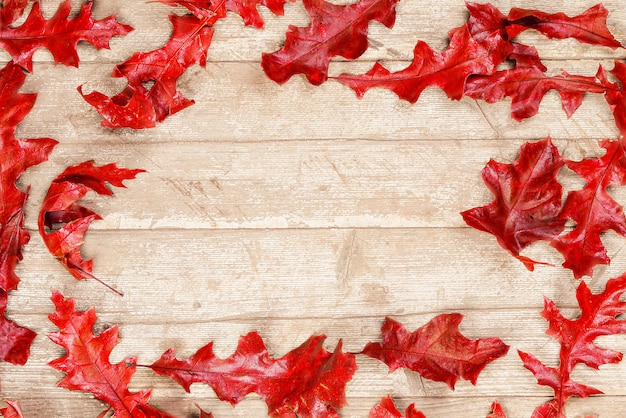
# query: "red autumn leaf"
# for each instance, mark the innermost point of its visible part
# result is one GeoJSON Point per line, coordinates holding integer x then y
{"type": "Point", "coordinates": [12, 410]}
{"type": "Point", "coordinates": [387, 409]}
{"type": "Point", "coordinates": [58, 35]}
{"type": "Point", "coordinates": [496, 411]}
{"type": "Point", "coordinates": [589, 27]}
{"type": "Point", "coordinates": [527, 202]}
{"type": "Point", "coordinates": [247, 9]}
{"type": "Point", "coordinates": [17, 156]}
{"type": "Point", "coordinates": [598, 313]}
{"type": "Point", "coordinates": [141, 107]}
{"type": "Point", "coordinates": [334, 31]}
{"type": "Point", "coordinates": [593, 210]}
{"type": "Point", "coordinates": [308, 381]}
{"type": "Point", "coordinates": [203, 413]}
{"type": "Point", "coordinates": [437, 350]}
{"type": "Point", "coordinates": [448, 70]}
{"type": "Point", "coordinates": [59, 206]}
{"type": "Point", "coordinates": [526, 86]}
{"type": "Point", "coordinates": [86, 363]}
{"type": "Point", "coordinates": [11, 10]}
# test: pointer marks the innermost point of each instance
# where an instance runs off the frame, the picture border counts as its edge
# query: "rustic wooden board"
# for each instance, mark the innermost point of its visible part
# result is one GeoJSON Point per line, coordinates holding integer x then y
{"type": "Point", "coordinates": [296, 210]}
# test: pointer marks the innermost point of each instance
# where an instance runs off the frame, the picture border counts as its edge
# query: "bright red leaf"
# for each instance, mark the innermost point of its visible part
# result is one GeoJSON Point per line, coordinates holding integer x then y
{"type": "Point", "coordinates": [593, 210]}
{"type": "Point", "coordinates": [616, 97]}
{"type": "Point", "coordinates": [598, 313]}
{"type": "Point", "coordinates": [335, 30]}
{"type": "Point", "coordinates": [16, 156]}
{"type": "Point", "coordinates": [60, 207]}
{"type": "Point", "coordinates": [496, 411]}
{"type": "Point", "coordinates": [12, 410]}
{"type": "Point", "coordinates": [527, 202]}
{"type": "Point", "coordinates": [448, 70]}
{"type": "Point", "coordinates": [387, 409]}
{"type": "Point", "coordinates": [308, 381]}
{"type": "Point", "coordinates": [58, 35]}
{"type": "Point", "coordinates": [86, 363]}
{"type": "Point", "coordinates": [151, 94]}
{"type": "Point", "coordinates": [247, 9]}
{"type": "Point", "coordinates": [437, 350]}
{"type": "Point", "coordinates": [589, 27]}
{"type": "Point", "coordinates": [11, 10]}
{"type": "Point", "coordinates": [526, 86]}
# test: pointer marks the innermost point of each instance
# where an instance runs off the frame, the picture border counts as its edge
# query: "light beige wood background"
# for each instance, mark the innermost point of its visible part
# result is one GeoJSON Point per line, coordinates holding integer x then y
{"type": "Point", "coordinates": [297, 210]}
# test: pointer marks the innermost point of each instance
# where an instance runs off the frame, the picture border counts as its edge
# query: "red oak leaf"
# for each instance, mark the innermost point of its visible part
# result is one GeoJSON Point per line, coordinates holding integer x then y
{"type": "Point", "coordinates": [58, 35]}
{"type": "Point", "coordinates": [11, 10]}
{"type": "Point", "coordinates": [59, 206]}
{"type": "Point", "coordinates": [589, 27]}
{"type": "Point", "coordinates": [308, 381]}
{"type": "Point", "coordinates": [334, 30]}
{"type": "Point", "coordinates": [12, 410]}
{"type": "Point", "coordinates": [387, 409]}
{"type": "Point", "coordinates": [247, 9]}
{"type": "Point", "coordinates": [593, 210]}
{"type": "Point", "coordinates": [526, 86]}
{"type": "Point", "coordinates": [496, 411]}
{"type": "Point", "coordinates": [87, 365]}
{"type": "Point", "coordinates": [527, 201]}
{"type": "Point", "coordinates": [141, 107]}
{"type": "Point", "coordinates": [16, 156]}
{"type": "Point", "coordinates": [448, 70]}
{"type": "Point", "coordinates": [598, 313]}
{"type": "Point", "coordinates": [437, 350]}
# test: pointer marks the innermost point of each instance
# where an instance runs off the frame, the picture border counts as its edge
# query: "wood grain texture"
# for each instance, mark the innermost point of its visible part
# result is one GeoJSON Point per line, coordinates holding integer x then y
{"type": "Point", "coordinates": [297, 210]}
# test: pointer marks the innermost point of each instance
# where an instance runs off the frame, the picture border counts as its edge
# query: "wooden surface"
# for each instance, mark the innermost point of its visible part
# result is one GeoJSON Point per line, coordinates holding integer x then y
{"type": "Point", "coordinates": [297, 210]}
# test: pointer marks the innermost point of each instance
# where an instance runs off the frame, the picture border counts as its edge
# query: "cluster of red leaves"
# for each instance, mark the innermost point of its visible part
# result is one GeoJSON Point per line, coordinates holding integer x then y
{"type": "Point", "coordinates": [387, 409]}
{"type": "Point", "coordinates": [60, 207]}
{"type": "Point", "coordinates": [139, 106]}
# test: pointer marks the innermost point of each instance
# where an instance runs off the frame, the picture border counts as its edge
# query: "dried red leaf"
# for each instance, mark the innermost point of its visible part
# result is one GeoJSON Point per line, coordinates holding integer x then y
{"type": "Point", "coordinates": [335, 30]}
{"type": "Point", "coordinates": [308, 381]}
{"type": "Point", "coordinates": [527, 202]}
{"type": "Point", "coordinates": [11, 10]}
{"type": "Point", "coordinates": [593, 210]}
{"type": "Point", "coordinates": [12, 410]}
{"type": "Point", "coordinates": [598, 313]}
{"type": "Point", "coordinates": [59, 206]}
{"type": "Point", "coordinates": [526, 85]}
{"type": "Point", "coordinates": [437, 350]}
{"type": "Point", "coordinates": [588, 27]}
{"type": "Point", "coordinates": [387, 409]}
{"type": "Point", "coordinates": [58, 35]}
{"type": "Point", "coordinates": [247, 9]}
{"type": "Point", "coordinates": [87, 365]}
{"type": "Point", "coordinates": [496, 411]}
{"type": "Point", "coordinates": [448, 70]}
{"type": "Point", "coordinates": [139, 106]}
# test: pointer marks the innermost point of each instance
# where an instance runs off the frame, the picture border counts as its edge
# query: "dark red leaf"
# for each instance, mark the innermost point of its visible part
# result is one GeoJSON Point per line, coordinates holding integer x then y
{"type": "Point", "coordinates": [387, 409]}
{"type": "Point", "coordinates": [598, 313]}
{"type": "Point", "coordinates": [11, 10]}
{"type": "Point", "coordinates": [526, 86]}
{"type": "Point", "coordinates": [15, 340]}
{"type": "Point", "coordinates": [308, 381]}
{"type": "Point", "coordinates": [86, 363]}
{"type": "Point", "coordinates": [140, 106]}
{"type": "Point", "coordinates": [593, 210]}
{"type": "Point", "coordinates": [527, 200]}
{"type": "Point", "coordinates": [60, 206]}
{"type": "Point", "coordinates": [58, 35]}
{"type": "Point", "coordinates": [589, 27]}
{"type": "Point", "coordinates": [437, 350]}
{"type": "Point", "coordinates": [335, 30]}
{"type": "Point", "coordinates": [12, 410]}
{"type": "Point", "coordinates": [448, 70]}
